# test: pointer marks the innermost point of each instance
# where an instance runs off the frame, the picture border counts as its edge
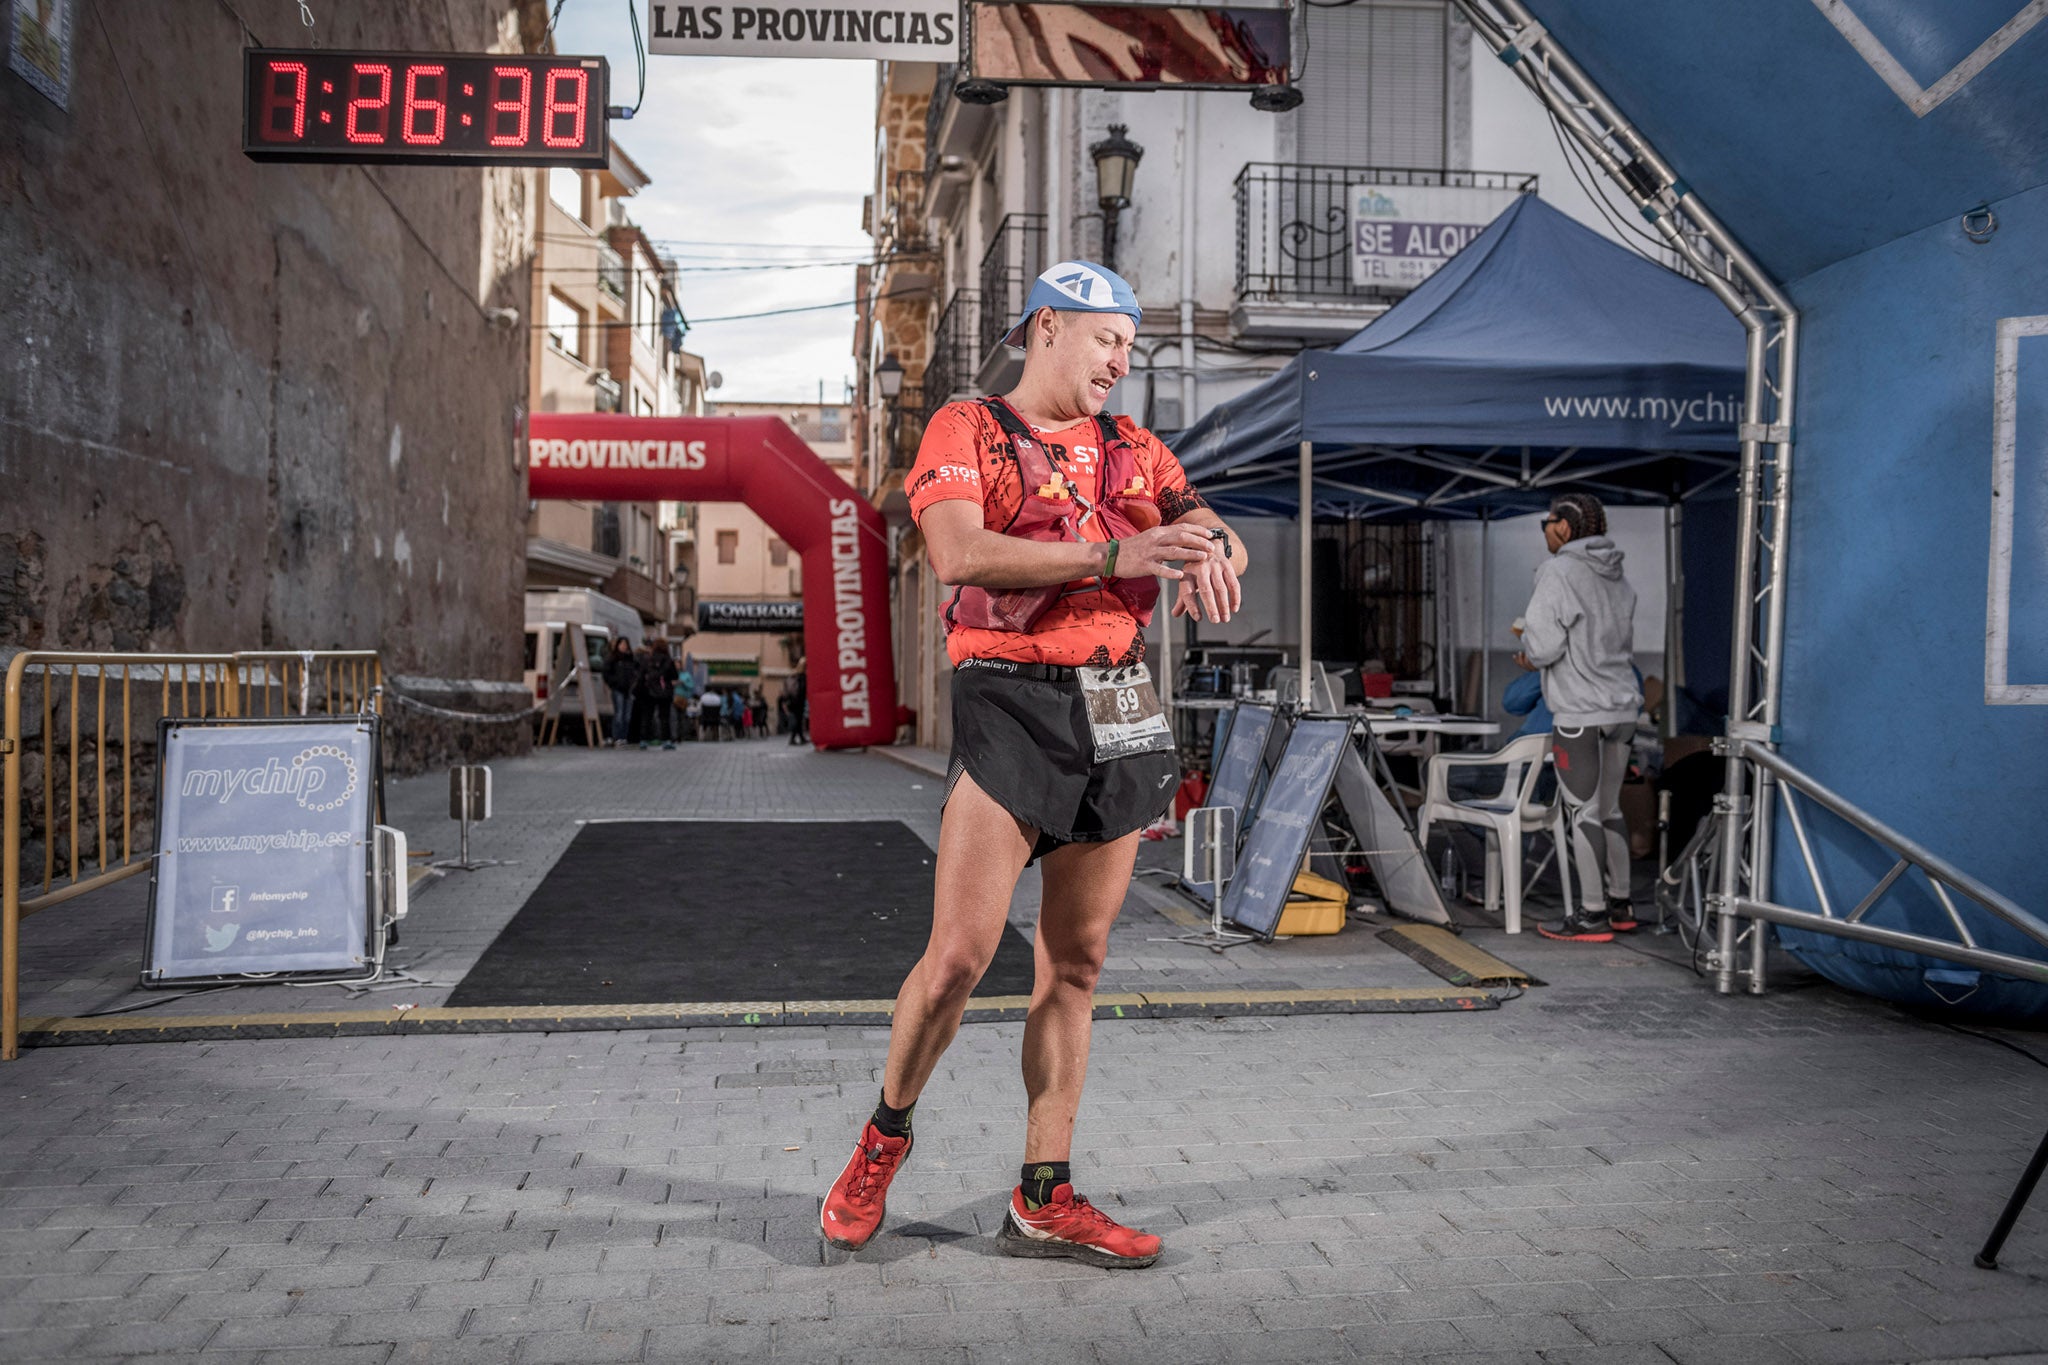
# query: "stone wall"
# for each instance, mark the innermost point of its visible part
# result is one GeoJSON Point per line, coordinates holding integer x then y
{"type": "Point", "coordinates": [252, 406]}
{"type": "Point", "coordinates": [419, 735]}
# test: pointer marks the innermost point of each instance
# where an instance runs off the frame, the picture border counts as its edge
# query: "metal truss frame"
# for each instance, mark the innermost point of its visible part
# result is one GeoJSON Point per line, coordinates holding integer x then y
{"type": "Point", "coordinates": [1626, 157]}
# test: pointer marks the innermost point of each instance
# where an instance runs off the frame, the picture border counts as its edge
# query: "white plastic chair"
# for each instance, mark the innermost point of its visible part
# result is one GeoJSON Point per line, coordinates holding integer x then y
{"type": "Point", "coordinates": [1506, 816]}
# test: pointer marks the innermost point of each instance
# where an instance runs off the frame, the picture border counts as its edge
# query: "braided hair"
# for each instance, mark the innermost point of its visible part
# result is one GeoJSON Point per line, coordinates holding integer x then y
{"type": "Point", "coordinates": [1583, 513]}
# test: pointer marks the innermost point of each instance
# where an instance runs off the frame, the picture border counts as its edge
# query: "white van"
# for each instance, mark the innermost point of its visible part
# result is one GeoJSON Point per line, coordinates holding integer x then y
{"type": "Point", "coordinates": [549, 612]}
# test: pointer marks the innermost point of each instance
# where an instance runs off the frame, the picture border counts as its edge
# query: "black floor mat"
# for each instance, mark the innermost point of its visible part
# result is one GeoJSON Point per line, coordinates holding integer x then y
{"type": "Point", "coordinates": [659, 911]}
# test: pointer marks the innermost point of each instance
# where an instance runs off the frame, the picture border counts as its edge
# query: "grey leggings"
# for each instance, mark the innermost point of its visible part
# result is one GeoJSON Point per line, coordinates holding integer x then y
{"type": "Point", "coordinates": [1591, 763]}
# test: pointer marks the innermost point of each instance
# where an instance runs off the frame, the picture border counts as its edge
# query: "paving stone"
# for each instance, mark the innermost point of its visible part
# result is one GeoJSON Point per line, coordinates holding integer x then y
{"type": "Point", "coordinates": [1623, 1155]}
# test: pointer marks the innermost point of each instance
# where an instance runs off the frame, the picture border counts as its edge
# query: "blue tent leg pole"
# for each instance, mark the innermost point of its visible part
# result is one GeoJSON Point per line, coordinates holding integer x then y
{"type": "Point", "coordinates": [1308, 526]}
{"type": "Point", "coordinates": [1987, 1259]}
{"type": "Point", "coordinates": [1485, 707]}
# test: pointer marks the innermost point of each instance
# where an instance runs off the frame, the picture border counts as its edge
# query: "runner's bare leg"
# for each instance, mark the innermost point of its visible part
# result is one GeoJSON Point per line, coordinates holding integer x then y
{"type": "Point", "coordinates": [982, 852]}
{"type": "Point", "coordinates": [1085, 886]}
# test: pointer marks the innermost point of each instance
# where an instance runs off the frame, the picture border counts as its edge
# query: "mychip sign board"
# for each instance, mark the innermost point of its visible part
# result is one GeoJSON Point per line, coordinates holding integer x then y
{"type": "Point", "coordinates": [1402, 234]}
{"type": "Point", "coordinates": [263, 860]}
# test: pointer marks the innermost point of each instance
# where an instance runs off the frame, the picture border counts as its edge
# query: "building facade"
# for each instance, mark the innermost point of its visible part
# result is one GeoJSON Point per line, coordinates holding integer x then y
{"type": "Point", "coordinates": [740, 559]}
{"type": "Point", "coordinates": [1237, 239]}
{"type": "Point", "coordinates": [259, 406]}
{"type": "Point", "coordinates": [608, 337]}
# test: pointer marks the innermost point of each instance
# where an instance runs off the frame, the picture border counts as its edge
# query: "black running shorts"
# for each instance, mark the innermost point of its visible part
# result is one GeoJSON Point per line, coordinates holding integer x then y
{"type": "Point", "coordinates": [1021, 731]}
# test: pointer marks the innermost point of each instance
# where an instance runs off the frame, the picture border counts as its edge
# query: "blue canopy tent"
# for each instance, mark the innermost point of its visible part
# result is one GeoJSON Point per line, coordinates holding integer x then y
{"type": "Point", "coordinates": [1865, 181]}
{"type": "Point", "coordinates": [1541, 356]}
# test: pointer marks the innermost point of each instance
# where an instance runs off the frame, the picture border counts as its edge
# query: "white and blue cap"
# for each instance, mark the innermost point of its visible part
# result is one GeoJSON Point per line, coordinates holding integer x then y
{"type": "Point", "coordinates": [1077, 287]}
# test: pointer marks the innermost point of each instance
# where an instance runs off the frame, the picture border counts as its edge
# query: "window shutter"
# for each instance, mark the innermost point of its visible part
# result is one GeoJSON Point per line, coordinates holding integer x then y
{"type": "Point", "coordinates": [1375, 85]}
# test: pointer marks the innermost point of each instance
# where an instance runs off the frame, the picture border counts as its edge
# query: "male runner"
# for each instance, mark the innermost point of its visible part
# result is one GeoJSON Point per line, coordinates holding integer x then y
{"type": "Point", "coordinates": [1053, 520]}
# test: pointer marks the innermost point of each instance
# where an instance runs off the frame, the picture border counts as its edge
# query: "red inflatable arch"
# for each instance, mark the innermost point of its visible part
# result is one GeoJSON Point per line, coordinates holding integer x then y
{"type": "Point", "coordinates": [758, 461]}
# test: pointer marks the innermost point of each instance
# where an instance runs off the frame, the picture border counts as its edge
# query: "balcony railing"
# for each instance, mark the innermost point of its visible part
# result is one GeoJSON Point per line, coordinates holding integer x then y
{"type": "Point", "coordinates": [611, 272]}
{"type": "Point", "coordinates": [1015, 257]}
{"type": "Point", "coordinates": [1294, 225]}
{"type": "Point", "coordinates": [956, 352]}
{"type": "Point", "coordinates": [903, 223]}
{"type": "Point", "coordinates": [935, 115]}
{"type": "Point", "coordinates": [903, 428]}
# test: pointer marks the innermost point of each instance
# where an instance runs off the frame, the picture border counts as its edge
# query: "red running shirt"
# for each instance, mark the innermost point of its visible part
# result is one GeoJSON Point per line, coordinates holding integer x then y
{"type": "Point", "coordinates": [966, 456]}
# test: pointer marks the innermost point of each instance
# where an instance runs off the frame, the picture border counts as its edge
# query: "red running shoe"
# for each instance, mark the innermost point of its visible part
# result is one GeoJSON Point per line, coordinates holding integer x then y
{"type": "Point", "coordinates": [858, 1198]}
{"type": "Point", "coordinates": [1068, 1225]}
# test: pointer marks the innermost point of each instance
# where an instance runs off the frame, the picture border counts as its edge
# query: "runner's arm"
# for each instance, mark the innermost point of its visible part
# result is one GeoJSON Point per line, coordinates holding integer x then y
{"type": "Point", "coordinates": [965, 553]}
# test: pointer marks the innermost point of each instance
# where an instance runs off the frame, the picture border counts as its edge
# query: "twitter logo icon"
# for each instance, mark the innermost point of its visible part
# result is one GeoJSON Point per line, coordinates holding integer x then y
{"type": "Point", "coordinates": [219, 936]}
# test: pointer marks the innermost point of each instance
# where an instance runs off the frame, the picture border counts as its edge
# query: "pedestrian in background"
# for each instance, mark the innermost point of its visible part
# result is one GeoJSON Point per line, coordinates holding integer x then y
{"type": "Point", "coordinates": [735, 714]}
{"type": "Point", "coordinates": [1579, 632]}
{"type": "Point", "coordinates": [621, 675]}
{"type": "Point", "coordinates": [757, 713]}
{"type": "Point", "coordinates": [686, 699]}
{"type": "Point", "coordinates": [710, 709]}
{"type": "Point", "coordinates": [657, 689]}
{"type": "Point", "coordinates": [799, 694]}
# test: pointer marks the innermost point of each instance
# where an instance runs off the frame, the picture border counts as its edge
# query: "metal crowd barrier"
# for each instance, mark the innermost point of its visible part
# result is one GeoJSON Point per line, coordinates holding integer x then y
{"type": "Point", "coordinates": [80, 718]}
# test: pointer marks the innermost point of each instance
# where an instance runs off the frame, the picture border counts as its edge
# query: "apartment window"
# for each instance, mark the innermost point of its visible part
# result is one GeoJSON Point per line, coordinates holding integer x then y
{"type": "Point", "coordinates": [604, 530]}
{"type": "Point", "coordinates": [1375, 84]}
{"type": "Point", "coordinates": [643, 406]}
{"type": "Point", "coordinates": [778, 554]}
{"type": "Point", "coordinates": [565, 326]}
{"type": "Point", "coordinates": [565, 187]}
{"type": "Point", "coordinates": [650, 313]}
{"type": "Point", "coordinates": [728, 547]}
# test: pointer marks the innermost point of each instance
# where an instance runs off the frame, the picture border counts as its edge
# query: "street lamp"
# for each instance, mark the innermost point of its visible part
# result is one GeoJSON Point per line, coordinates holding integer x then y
{"type": "Point", "coordinates": [889, 375]}
{"type": "Point", "coordinates": [1116, 164]}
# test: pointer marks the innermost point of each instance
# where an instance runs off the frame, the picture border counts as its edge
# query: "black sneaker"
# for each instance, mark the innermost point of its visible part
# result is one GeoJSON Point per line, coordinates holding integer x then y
{"type": "Point", "coordinates": [1578, 927]}
{"type": "Point", "coordinates": [1621, 917]}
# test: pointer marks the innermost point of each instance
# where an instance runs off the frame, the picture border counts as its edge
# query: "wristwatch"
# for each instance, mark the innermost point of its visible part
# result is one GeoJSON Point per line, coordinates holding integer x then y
{"type": "Point", "coordinates": [1222, 537]}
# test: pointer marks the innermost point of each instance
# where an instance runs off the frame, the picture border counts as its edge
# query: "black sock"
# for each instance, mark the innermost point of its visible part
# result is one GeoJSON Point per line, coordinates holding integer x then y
{"type": "Point", "coordinates": [1040, 1178]}
{"type": "Point", "coordinates": [893, 1123]}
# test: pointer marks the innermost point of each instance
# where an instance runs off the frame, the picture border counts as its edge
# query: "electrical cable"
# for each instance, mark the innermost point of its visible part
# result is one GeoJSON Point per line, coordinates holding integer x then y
{"type": "Point", "coordinates": [1616, 218]}
{"type": "Point", "coordinates": [639, 57]}
{"type": "Point", "coordinates": [154, 1001]}
{"type": "Point", "coordinates": [2027, 1053]}
{"type": "Point", "coordinates": [744, 317]}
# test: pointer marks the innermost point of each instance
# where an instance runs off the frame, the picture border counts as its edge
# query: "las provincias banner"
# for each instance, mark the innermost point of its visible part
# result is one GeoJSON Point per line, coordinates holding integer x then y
{"type": "Point", "coordinates": [861, 30]}
{"type": "Point", "coordinates": [758, 461]}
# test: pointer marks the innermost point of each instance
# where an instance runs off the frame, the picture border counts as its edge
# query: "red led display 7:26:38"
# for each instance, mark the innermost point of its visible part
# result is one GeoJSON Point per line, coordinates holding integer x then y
{"type": "Point", "coordinates": [476, 108]}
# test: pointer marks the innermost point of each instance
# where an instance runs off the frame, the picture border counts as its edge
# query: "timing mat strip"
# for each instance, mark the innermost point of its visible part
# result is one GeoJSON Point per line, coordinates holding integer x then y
{"type": "Point", "coordinates": [991, 1009]}
{"type": "Point", "coordinates": [1453, 959]}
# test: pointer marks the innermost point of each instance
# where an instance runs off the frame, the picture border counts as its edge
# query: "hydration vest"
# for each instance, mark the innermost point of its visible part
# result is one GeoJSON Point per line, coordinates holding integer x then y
{"type": "Point", "coordinates": [1053, 510]}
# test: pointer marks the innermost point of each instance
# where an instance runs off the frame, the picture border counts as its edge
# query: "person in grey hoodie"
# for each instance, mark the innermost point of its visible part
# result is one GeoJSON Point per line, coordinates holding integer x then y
{"type": "Point", "coordinates": [1579, 633]}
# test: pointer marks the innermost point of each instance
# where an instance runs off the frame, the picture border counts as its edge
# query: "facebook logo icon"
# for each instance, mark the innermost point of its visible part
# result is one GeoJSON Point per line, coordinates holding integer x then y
{"type": "Point", "coordinates": [226, 899]}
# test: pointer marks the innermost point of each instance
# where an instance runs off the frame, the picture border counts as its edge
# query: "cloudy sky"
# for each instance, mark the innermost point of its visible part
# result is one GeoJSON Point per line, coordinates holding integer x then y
{"type": "Point", "coordinates": [757, 168]}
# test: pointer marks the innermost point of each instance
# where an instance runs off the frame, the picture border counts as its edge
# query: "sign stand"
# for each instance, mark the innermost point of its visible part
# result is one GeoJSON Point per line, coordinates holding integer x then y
{"type": "Point", "coordinates": [469, 798]}
{"type": "Point", "coordinates": [270, 864]}
{"type": "Point", "coordinates": [572, 663]}
{"type": "Point", "coordinates": [1210, 857]}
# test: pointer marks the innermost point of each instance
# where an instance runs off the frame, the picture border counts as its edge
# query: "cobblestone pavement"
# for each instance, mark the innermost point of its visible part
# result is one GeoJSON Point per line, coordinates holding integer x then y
{"type": "Point", "coordinates": [1619, 1167]}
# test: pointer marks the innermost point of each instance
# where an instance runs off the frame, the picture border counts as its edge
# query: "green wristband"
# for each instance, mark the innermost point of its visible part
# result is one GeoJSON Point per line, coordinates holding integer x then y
{"type": "Point", "coordinates": [1109, 564]}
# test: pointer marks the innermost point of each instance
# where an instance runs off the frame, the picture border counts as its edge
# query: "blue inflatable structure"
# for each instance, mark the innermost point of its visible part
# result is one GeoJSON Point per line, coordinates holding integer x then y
{"type": "Point", "coordinates": [1885, 162]}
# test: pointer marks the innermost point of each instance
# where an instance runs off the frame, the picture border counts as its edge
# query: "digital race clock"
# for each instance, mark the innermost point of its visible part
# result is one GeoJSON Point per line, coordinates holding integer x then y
{"type": "Point", "coordinates": [475, 108]}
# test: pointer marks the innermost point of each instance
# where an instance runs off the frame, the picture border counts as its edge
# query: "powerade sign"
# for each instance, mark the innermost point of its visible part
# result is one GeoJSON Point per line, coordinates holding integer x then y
{"type": "Point", "coordinates": [862, 30]}
{"type": "Point", "coordinates": [725, 617]}
{"type": "Point", "coordinates": [263, 848]}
